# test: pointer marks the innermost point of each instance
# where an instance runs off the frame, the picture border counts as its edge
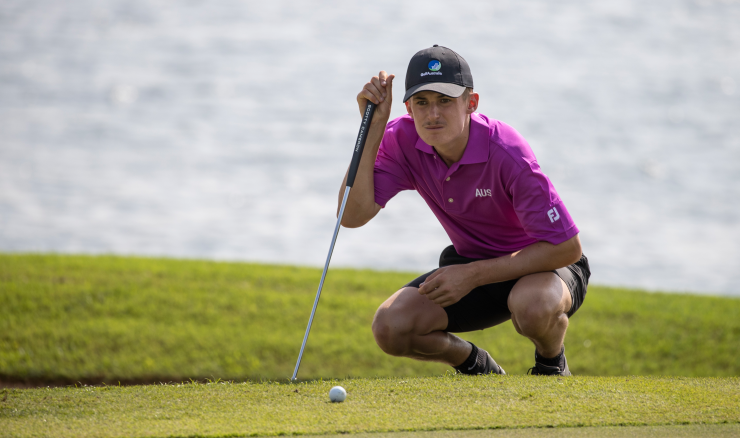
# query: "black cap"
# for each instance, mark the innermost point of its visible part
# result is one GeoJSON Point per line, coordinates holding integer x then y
{"type": "Point", "coordinates": [438, 69]}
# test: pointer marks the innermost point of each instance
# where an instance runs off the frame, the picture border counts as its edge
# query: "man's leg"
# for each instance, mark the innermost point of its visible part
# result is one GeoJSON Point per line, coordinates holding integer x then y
{"type": "Point", "coordinates": [410, 325]}
{"type": "Point", "coordinates": [539, 304]}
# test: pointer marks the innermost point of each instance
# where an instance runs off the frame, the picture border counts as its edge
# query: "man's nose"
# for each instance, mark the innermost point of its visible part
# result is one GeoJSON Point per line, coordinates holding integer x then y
{"type": "Point", "coordinates": [433, 111]}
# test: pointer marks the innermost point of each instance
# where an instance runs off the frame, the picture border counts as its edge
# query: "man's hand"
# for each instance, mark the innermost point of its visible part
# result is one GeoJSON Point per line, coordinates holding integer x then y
{"type": "Point", "coordinates": [380, 92]}
{"type": "Point", "coordinates": [448, 285]}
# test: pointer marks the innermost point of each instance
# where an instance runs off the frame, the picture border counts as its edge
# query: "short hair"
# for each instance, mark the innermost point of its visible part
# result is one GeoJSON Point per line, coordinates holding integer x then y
{"type": "Point", "coordinates": [466, 94]}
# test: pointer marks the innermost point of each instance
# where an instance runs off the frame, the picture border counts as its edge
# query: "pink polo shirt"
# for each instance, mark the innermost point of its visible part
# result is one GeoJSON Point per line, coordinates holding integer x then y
{"type": "Point", "coordinates": [492, 202]}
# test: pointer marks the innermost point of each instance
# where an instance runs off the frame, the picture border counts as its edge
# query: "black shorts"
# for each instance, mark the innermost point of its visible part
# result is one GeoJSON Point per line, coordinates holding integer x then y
{"type": "Point", "coordinates": [487, 305]}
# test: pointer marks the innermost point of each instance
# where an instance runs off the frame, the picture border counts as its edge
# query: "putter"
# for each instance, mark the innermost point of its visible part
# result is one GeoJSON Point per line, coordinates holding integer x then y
{"type": "Point", "coordinates": [354, 165]}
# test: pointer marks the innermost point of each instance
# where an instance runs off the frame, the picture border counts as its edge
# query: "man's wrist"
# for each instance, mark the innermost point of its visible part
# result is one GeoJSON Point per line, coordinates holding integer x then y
{"type": "Point", "coordinates": [476, 274]}
{"type": "Point", "coordinates": [378, 126]}
{"type": "Point", "coordinates": [482, 270]}
{"type": "Point", "coordinates": [375, 136]}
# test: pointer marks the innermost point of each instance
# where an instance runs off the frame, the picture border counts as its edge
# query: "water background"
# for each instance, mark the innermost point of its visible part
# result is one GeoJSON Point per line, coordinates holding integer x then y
{"type": "Point", "coordinates": [222, 130]}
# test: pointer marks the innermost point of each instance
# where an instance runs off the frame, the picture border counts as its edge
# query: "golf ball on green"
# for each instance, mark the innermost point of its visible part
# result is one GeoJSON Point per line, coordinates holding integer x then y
{"type": "Point", "coordinates": [337, 394]}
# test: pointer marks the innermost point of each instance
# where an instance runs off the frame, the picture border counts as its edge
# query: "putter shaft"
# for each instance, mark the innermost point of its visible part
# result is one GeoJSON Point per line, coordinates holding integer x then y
{"type": "Point", "coordinates": [323, 276]}
{"type": "Point", "coordinates": [351, 173]}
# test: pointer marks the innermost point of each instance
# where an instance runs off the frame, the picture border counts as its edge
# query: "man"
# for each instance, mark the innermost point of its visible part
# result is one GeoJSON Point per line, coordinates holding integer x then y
{"type": "Point", "coordinates": [516, 252]}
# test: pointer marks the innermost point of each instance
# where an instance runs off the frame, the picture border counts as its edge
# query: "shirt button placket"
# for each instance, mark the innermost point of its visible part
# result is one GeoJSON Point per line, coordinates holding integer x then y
{"type": "Point", "coordinates": [449, 200]}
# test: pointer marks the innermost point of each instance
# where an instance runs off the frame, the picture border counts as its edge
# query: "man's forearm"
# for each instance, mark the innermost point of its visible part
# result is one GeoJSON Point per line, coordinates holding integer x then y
{"type": "Point", "coordinates": [538, 257]}
{"type": "Point", "coordinates": [361, 206]}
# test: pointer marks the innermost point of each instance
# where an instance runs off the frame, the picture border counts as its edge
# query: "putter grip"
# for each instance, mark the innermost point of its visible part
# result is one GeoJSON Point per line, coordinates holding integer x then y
{"type": "Point", "coordinates": [360, 143]}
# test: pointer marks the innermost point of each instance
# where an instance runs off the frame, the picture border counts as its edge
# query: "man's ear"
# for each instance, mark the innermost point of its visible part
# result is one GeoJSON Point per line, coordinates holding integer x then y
{"type": "Point", "coordinates": [473, 103]}
{"type": "Point", "coordinates": [408, 108]}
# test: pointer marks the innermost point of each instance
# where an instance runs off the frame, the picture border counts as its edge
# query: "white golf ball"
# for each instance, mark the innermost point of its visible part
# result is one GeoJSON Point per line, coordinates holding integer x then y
{"type": "Point", "coordinates": [337, 394]}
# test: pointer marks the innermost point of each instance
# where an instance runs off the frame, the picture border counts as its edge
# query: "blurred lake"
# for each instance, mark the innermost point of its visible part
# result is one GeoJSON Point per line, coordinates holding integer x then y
{"type": "Point", "coordinates": [222, 130]}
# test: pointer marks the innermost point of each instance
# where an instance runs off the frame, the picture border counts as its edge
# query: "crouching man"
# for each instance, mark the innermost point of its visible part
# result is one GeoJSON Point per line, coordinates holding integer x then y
{"type": "Point", "coordinates": [515, 252]}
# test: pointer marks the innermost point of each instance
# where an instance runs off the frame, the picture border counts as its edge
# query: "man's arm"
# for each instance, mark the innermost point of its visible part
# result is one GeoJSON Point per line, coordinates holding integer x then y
{"type": "Point", "coordinates": [448, 285]}
{"type": "Point", "coordinates": [361, 206]}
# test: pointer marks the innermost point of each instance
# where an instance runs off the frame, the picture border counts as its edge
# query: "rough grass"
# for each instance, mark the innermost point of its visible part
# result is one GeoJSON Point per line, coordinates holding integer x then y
{"type": "Point", "coordinates": [372, 405]}
{"type": "Point", "coordinates": [94, 319]}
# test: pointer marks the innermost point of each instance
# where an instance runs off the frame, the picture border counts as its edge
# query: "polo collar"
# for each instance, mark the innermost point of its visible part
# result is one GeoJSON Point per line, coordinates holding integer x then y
{"type": "Point", "coordinates": [477, 149]}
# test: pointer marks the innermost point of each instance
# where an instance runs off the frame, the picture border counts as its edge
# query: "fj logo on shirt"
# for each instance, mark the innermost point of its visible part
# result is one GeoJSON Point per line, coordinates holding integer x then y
{"type": "Point", "coordinates": [553, 214]}
{"type": "Point", "coordinates": [483, 192]}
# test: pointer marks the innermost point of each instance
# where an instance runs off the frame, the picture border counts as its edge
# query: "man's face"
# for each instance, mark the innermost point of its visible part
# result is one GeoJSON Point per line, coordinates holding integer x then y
{"type": "Point", "coordinates": [441, 120]}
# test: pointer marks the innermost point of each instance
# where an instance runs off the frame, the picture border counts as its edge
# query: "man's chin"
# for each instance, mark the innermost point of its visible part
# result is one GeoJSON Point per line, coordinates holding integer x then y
{"type": "Point", "coordinates": [433, 138]}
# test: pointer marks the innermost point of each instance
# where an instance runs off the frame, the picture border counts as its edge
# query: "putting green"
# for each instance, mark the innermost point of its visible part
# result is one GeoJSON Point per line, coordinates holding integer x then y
{"type": "Point", "coordinates": [452, 402]}
{"type": "Point", "coordinates": [699, 430]}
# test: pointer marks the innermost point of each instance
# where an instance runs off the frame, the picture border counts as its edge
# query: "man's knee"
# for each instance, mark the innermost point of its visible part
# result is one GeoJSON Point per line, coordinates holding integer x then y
{"type": "Point", "coordinates": [535, 320]}
{"type": "Point", "coordinates": [401, 317]}
{"type": "Point", "coordinates": [391, 330]}
{"type": "Point", "coordinates": [387, 335]}
{"type": "Point", "coordinates": [537, 307]}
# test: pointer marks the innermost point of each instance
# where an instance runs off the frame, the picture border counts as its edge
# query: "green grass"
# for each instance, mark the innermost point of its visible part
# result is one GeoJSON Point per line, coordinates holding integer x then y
{"type": "Point", "coordinates": [725, 430]}
{"type": "Point", "coordinates": [93, 319]}
{"type": "Point", "coordinates": [372, 405]}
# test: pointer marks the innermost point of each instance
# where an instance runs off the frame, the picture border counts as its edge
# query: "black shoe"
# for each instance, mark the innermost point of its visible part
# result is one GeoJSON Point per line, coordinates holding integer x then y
{"type": "Point", "coordinates": [540, 369]}
{"type": "Point", "coordinates": [479, 362]}
{"type": "Point", "coordinates": [492, 367]}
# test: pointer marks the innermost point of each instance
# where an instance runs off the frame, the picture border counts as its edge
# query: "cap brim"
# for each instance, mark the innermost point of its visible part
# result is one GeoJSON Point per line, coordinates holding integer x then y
{"type": "Point", "coordinates": [452, 90]}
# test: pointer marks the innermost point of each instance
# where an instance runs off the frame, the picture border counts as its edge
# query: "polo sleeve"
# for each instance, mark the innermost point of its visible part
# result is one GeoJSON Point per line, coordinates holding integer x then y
{"type": "Point", "coordinates": [390, 175]}
{"type": "Point", "coordinates": [539, 208]}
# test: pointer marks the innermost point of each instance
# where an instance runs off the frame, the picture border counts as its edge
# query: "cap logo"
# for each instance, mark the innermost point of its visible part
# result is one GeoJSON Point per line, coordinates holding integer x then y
{"type": "Point", "coordinates": [434, 67]}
